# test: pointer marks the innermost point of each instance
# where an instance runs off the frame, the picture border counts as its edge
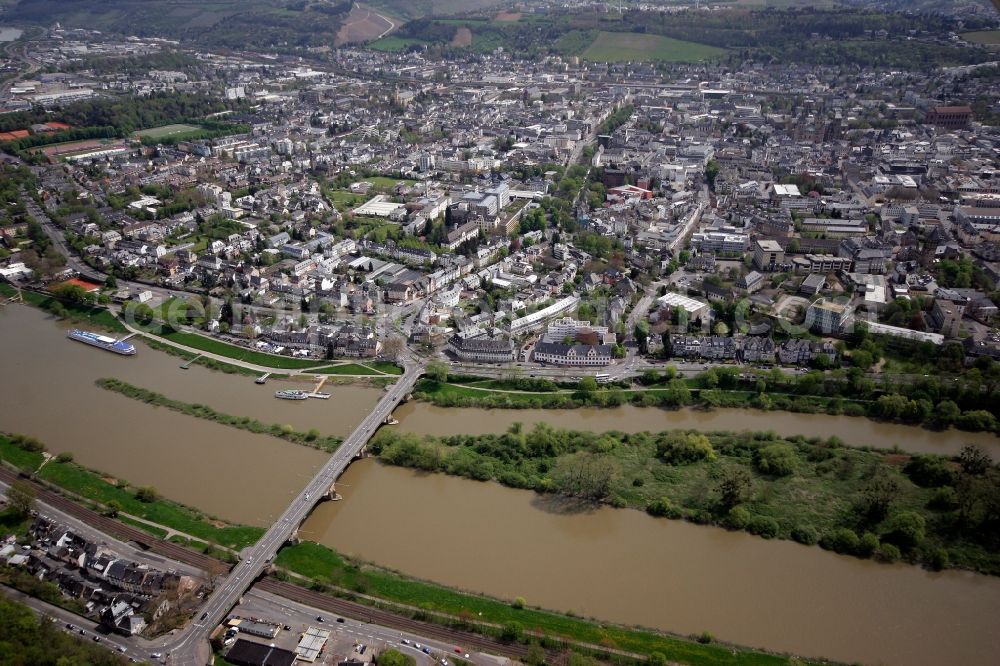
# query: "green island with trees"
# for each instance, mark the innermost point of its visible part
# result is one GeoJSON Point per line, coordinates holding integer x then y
{"type": "Point", "coordinates": [927, 509]}
{"type": "Point", "coordinates": [312, 438]}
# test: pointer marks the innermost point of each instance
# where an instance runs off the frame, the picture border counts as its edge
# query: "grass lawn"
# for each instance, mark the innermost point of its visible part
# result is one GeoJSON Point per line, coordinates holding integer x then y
{"type": "Point", "coordinates": [323, 564]}
{"type": "Point", "coordinates": [622, 46]}
{"type": "Point", "coordinates": [203, 361]}
{"type": "Point", "coordinates": [347, 369]}
{"type": "Point", "coordinates": [345, 199]}
{"type": "Point", "coordinates": [385, 366]}
{"type": "Point", "coordinates": [374, 369]}
{"type": "Point", "coordinates": [394, 44]}
{"type": "Point", "coordinates": [172, 304]}
{"type": "Point", "coordinates": [214, 346]}
{"type": "Point", "coordinates": [89, 484]}
{"type": "Point", "coordinates": [988, 37]}
{"type": "Point", "coordinates": [385, 181]}
{"type": "Point", "coordinates": [167, 130]}
{"type": "Point", "coordinates": [18, 457]}
{"type": "Point", "coordinates": [155, 531]}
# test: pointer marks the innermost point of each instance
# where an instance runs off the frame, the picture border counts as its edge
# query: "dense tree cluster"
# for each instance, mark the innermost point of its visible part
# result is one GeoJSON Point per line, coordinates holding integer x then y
{"type": "Point", "coordinates": [116, 116]}
{"type": "Point", "coordinates": [29, 640]}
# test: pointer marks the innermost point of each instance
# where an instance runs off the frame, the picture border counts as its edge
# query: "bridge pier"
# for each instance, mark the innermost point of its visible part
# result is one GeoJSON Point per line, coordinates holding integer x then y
{"type": "Point", "coordinates": [293, 538]}
{"type": "Point", "coordinates": [332, 494]}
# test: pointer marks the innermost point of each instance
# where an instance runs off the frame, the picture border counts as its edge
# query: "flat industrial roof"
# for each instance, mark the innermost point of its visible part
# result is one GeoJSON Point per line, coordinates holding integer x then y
{"type": "Point", "coordinates": [311, 643]}
{"type": "Point", "coordinates": [378, 206]}
{"type": "Point", "coordinates": [671, 299]}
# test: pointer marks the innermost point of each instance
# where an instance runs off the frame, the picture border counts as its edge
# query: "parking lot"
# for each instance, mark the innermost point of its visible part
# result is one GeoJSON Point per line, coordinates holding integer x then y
{"type": "Point", "coordinates": [349, 639]}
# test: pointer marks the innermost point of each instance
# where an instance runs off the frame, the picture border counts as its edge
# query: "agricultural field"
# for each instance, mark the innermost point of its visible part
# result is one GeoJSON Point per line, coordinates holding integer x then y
{"type": "Point", "coordinates": [167, 130]}
{"type": "Point", "coordinates": [463, 37]}
{"type": "Point", "coordinates": [364, 25]}
{"type": "Point", "coordinates": [986, 37]}
{"type": "Point", "coordinates": [627, 46]}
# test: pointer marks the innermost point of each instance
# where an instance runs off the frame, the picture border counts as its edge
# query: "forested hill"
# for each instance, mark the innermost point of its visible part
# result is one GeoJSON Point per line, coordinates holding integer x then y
{"type": "Point", "coordinates": [226, 23]}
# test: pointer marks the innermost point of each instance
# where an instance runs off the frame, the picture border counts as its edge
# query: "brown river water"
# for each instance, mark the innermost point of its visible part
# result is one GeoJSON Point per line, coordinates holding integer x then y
{"type": "Point", "coordinates": [618, 565]}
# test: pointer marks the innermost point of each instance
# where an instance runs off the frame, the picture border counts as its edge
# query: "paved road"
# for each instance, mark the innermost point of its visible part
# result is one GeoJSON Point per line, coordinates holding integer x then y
{"type": "Point", "coordinates": [188, 646]}
{"type": "Point", "coordinates": [56, 236]}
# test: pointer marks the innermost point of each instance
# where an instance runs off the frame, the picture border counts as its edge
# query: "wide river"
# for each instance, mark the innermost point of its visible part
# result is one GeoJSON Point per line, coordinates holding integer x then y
{"type": "Point", "coordinates": [618, 565]}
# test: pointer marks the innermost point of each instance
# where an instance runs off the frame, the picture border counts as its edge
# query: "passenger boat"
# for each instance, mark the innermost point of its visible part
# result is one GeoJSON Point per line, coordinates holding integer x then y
{"type": "Point", "coordinates": [102, 342]}
{"type": "Point", "coordinates": [292, 394]}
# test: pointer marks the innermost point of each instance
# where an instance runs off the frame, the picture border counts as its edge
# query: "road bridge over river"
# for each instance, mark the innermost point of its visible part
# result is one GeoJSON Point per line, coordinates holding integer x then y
{"type": "Point", "coordinates": [189, 646]}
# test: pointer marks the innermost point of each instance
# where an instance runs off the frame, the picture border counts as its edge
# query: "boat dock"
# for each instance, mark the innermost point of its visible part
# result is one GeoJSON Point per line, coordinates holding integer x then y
{"type": "Point", "coordinates": [185, 366]}
{"type": "Point", "coordinates": [315, 392]}
{"type": "Point", "coordinates": [262, 378]}
{"type": "Point", "coordinates": [130, 335]}
{"type": "Point", "coordinates": [16, 298]}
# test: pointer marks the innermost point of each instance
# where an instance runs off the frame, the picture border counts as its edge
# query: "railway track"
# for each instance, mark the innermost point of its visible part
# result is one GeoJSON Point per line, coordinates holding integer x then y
{"type": "Point", "coordinates": [120, 530]}
{"type": "Point", "coordinates": [387, 619]}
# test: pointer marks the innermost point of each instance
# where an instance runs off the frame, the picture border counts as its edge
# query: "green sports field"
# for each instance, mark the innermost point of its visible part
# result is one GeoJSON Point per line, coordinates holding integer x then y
{"type": "Point", "coordinates": [167, 130]}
